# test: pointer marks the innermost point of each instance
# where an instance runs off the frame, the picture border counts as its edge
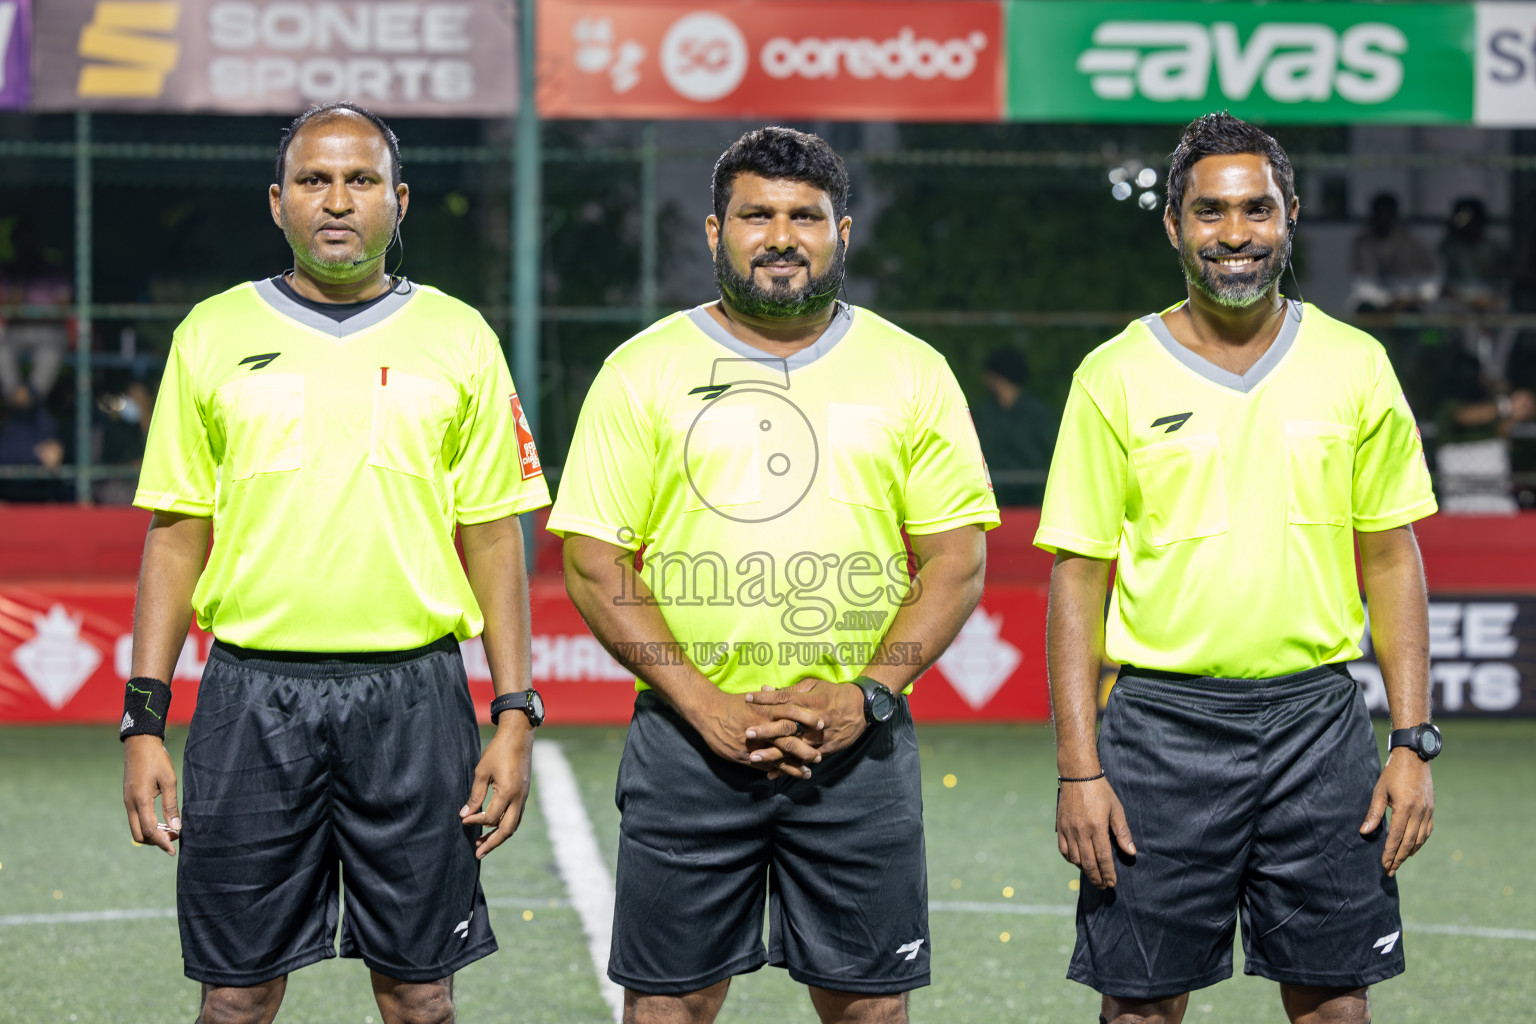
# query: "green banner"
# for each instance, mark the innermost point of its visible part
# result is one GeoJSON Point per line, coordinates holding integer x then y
{"type": "Point", "coordinates": [1078, 60]}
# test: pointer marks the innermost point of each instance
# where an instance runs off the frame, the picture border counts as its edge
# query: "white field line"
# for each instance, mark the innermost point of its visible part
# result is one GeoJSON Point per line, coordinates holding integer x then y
{"type": "Point", "coordinates": [581, 863]}
{"type": "Point", "coordinates": [1026, 909]}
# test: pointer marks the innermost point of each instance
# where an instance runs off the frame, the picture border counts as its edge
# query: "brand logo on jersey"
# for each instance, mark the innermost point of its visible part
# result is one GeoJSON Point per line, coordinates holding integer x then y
{"type": "Point", "coordinates": [709, 391]}
{"type": "Point", "coordinates": [1386, 942]}
{"type": "Point", "coordinates": [527, 453]}
{"type": "Point", "coordinates": [1173, 422]}
{"type": "Point", "coordinates": [910, 948]}
{"type": "Point", "coordinates": [260, 362]}
{"type": "Point", "coordinates": [462, 929]}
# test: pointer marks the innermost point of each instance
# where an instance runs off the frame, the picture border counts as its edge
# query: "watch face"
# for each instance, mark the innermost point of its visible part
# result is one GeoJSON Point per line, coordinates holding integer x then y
{"type": "Point", "coordinates": [882, 704]}
{"type": "Point", "coordinates": [1429, 741]}
{"type": "Point", "coordinates": [535, 707]}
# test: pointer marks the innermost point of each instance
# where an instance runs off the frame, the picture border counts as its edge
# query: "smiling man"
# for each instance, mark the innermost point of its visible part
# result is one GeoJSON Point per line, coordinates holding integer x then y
{"type": "Point", "coordinates": [767, 452]}
{"type": "Point", "coordinates": [333, 425]}
{"type": "Point", "coordinates": [1226, 456]}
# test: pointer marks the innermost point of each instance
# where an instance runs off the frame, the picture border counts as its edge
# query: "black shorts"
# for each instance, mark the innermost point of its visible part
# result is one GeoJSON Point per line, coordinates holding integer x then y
{"type": "Point", "coordinates": [1244, 799]}
{"type": "Point", "coordinates": [702, 842]}
{"type": "Point", "coordinates": [301, 774]}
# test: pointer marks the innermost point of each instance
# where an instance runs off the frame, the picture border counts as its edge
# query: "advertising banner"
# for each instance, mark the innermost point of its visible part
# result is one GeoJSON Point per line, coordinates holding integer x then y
{"type": "Point", "coordinates": [15, 53]}
{"type": "Point", "coordinates": [429, 58]}
{"type": "Point", "coordinates": [1482, 652]}
{"type": "Point", "coordinates": [823, 59]}
{"type": "Point", "coordinates": [1341, 63]}
{"type": "Point", "coordinates": [1506, 64]}
{"type": "Point", "coordinates": [66, 651]}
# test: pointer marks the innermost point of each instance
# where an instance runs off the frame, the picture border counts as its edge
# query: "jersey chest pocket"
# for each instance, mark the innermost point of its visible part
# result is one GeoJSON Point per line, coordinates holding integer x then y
{"type": "Point", "coordinates": [863, 455]}
{"type": "Point", "coordinates": [1319, 468]}
{"type": "Point", "coordinates": [1183, 488]}
{"type": "Point", "coordinates": [722, 455]}
{"type": "Point", "coordinates": [410, 419]}
{"type": "Point", "coordinates": [263, 425]}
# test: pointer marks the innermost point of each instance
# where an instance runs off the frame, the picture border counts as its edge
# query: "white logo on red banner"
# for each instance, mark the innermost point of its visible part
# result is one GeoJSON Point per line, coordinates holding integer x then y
{"type": "Point", "coordinates": [56, 661]}
{"type": "Point", "coordinates": [597, 51]}
{"type": "Point", "coordinates": [904, 54]}
{"type": "Point", "coordinates": [980, 661]}
{"type": "Point", "coordinates": [704, 56]}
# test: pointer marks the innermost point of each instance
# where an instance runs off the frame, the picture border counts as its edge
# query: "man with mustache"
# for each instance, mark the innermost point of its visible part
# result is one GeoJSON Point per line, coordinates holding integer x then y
{"type": "Point", "coordinates": [1226, 455]}
{"type": "Point", "coordinates": [333, 427]}
{"type": "Point", "coordinates": [765, 453]}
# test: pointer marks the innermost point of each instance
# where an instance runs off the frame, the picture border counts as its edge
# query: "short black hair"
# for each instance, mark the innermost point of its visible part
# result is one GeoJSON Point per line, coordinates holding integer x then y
{"type": "Point", "coordinates": [1009, 364]}
{"type": "Point", "coordinates": [782, 153]}
{"type": "Point", "coordinates": [1221, 134]}
{"type": "Point", "coordinates": [325, 111]}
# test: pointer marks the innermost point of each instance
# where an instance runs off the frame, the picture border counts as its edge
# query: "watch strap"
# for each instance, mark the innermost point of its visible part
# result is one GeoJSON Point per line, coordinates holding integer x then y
{"type": "Point", "coordinates": [518, 700]}
{"type": "Point", "coordinates": [873, 690]}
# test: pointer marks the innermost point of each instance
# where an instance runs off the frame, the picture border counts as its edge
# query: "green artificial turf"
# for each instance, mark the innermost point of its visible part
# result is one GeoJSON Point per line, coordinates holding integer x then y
{"type": "Point", "coordinates": [64, 848]}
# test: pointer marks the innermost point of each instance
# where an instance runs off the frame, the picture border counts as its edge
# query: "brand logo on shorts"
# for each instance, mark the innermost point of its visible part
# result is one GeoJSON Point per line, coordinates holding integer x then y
{"type": "Point", "coordinates": [462, 928]}
{"type": "Point", "coordinates": [1173, 422]}
{"type": "Point", "coordinates": [1386, 942]}
{"type": "Point", "coordinates": [910, 948]}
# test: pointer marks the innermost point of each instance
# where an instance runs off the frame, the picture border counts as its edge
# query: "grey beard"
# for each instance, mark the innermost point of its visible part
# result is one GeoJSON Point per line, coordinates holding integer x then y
{"type": "Point", "coordinates": [1234, 291]}
{"type": "Point", "coordinates": [778, 302]}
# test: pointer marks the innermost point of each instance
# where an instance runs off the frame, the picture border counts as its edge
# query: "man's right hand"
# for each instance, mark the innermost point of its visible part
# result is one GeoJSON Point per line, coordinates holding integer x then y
{"type": "Point", "coordinates": [147, 774]}
{"type": "Point", "coordinates": [1088, 814]}
{"type": "Point", "coordinates": [723, 720]}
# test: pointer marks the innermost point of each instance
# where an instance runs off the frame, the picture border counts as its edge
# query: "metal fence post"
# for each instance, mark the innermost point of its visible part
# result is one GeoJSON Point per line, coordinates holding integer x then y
{"type": "Point", "coordinates": [527, 235]}
{"type": "Point", "coordinates": [649, 226]}
{"type": "Point", "coordinates": [83, 300]}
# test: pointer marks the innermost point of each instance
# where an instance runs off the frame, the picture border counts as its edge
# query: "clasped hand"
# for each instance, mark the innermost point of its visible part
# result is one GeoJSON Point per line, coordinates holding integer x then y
{"type": "Point", "coordinates": [782, 731]}
{"type": "Point", "coordinates": [804, 722]}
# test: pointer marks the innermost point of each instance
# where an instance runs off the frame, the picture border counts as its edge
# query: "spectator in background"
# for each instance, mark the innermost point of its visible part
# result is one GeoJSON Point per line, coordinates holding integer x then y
{"type": "Point", "coordinates": [1017, 431]}
{"type": "Point", "coordinates": [35, 278]}
{"type": "Point", "coordinates": [1479, 404]}
{"type": "Point", "coordinates": [123, 426]}
{"type": "Point", "coordinates": [1390, 268]}
{"type": "Point", "coordinates": [28, 437]}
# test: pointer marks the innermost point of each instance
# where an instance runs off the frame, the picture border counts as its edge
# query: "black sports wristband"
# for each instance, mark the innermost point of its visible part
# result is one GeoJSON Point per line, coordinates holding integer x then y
{"type": "Point", "coordinates": [146, 702]}
{"type": "Point", "coordinates": [1086, 778]}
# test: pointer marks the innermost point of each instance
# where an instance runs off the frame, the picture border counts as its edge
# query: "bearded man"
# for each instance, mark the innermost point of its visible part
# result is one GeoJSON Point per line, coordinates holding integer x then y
{"type": "Point", "coordinates": [765, 453]}
{"type": "Point", "coordinates": [1227, 455]}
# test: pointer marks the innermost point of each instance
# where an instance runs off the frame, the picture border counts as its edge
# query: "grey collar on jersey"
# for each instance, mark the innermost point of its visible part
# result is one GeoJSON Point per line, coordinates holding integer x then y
{"type": "Point", "coordinates": [375, 314]}
{"type": "Point", "coordinates": [1226, 378]}
{"type": "Point", "coordinates": [842, 320]}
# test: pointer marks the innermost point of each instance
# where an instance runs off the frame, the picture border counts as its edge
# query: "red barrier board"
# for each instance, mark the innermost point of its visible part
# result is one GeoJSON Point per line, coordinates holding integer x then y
{"type": "Point", "coordinates": [816, 59]}
{"type": "Point", "coordinates": [65, 651]}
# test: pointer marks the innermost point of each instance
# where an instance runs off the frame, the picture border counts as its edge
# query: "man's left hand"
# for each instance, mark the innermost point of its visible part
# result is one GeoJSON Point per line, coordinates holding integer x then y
{"type": "Point", "coordinates": [808, 720]}
{"type": "Point", "coordinates": [1405, 786]}
{"type": "Point", "coordinates": [504, 770]}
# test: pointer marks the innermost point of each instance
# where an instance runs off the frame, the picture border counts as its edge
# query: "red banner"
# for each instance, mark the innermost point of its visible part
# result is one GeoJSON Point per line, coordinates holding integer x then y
{"type": "Point", "coordinates": [814, 59]}
{"type": "Point", "coordinates": [66, 650]}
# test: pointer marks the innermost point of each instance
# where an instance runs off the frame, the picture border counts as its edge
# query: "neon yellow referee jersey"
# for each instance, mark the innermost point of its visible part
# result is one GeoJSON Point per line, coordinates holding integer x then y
{"type": "Point", "coordinates": [770, 494]}
{"type": "Point", "coordinates": [336, 460]}
{"type": "Point", "coordinates": [1230, 502]}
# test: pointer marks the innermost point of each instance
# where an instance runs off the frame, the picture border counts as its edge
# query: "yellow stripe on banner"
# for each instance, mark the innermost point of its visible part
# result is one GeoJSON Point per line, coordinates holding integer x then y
{"type": "Point", "coordinates": [100, 42]}
{"type": "Point", "coordinates": [102, 80]}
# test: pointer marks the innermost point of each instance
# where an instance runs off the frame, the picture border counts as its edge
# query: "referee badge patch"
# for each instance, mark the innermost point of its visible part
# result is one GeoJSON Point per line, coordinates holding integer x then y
{"type": "Point", "coordinates": [527, 453]}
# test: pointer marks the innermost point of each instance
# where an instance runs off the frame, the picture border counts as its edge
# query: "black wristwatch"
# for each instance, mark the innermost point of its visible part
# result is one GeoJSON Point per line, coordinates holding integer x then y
{"type": "Point", "coordinates": [1423, 740]}
{"type": "Point", "coordinates": [879, 701]}
{"type": "Point", "coordinates": [527, 701]}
